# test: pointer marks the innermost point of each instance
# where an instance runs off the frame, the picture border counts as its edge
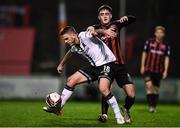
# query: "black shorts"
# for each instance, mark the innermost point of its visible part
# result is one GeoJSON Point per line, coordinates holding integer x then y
{"type": "Point", "coordinates": [93, 73]}
{"type": "Point", "coordinates": [154, 77]}
{"type": "Point", "coordinates": [122, 76]}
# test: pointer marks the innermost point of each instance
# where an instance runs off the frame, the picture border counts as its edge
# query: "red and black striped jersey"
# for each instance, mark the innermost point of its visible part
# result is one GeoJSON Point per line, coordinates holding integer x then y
{"type": "Point", "coordinates": [156, 53]}
{"type": "Point", "coordinates": [114, 42]}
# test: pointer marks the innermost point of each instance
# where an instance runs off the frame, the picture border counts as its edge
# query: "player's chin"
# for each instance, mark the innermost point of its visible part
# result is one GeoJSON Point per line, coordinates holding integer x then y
{"type": "Point", "coordinates": [106, 22]}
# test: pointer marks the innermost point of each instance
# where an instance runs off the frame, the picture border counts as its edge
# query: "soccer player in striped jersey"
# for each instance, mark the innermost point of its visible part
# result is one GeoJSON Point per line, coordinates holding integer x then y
{"type": "Point", "coordinates": [101, 59]}
{"type": "Point", "coordinates": [109, 32]}
{"type": "Point", "coordinates": [154, 65]}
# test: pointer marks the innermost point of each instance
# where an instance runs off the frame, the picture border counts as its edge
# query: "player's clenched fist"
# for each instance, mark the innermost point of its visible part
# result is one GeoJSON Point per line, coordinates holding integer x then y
{"type": "Point", "coordinates": [91, 29]}
{"type": "Point", "coordinates": [124, 18]}
{"type": "Point", "coordinates": [60, 68]}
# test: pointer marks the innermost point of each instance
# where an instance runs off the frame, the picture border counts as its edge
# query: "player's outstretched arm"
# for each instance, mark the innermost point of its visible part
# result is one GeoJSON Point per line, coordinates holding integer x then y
{"type": "Point", "coordinates": [108, 32]}
{"type": "Point", "coordinates": [94, 31]}
{"type": "Point", "coordinates": [126, 20]}
{"type": "Point", "coordinates": [64, 61]}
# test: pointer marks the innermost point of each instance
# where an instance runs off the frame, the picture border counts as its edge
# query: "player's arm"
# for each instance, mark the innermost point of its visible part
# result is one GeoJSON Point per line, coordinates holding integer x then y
{"type": "Point", "coordinates": [143, 58]}
{"type": "Point", "coordinates": [166, 66]}
{"type": "Point", "coordinates": [126, 20]}
{"type": "Point", "coordinates": [64, 61]}
{"type": "Point", "coordinates": [166, 61]}
{"type": "Point", "coordinates": [93, 37]}
{"type": "Point", "coordinates": [95, 32]}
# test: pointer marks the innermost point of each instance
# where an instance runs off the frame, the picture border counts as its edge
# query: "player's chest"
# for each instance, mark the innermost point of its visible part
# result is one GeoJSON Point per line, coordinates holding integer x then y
{"type": "Point", "coordinates": [105, 37]}
{"type": "Point", "coordinates": [157, 48]}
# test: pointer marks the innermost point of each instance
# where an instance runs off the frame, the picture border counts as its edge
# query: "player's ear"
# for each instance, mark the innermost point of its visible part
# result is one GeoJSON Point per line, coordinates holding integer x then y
{"type": "Point", "coordinates": [110, 16]}
{"type": "Point", "coordinates": [74, 35]}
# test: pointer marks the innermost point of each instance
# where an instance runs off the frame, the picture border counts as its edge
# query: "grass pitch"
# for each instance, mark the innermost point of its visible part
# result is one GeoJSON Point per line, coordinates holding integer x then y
{"type": "Point", "coordinates": [82, 114]}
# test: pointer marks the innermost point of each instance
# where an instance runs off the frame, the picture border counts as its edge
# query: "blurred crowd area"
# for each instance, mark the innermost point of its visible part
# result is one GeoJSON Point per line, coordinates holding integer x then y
{"type": "Point", "coordinates": [43, 17]}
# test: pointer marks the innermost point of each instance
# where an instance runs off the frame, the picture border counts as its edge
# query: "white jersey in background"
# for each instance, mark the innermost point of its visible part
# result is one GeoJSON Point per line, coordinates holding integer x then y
{"type": "Point", "coordinates": [93, 49]}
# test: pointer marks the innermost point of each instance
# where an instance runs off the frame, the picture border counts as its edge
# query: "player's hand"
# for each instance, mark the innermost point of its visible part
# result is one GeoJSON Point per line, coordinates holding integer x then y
{"type": "Point", "coordinates": [60, 68]}
{"type": "Point", "coordinates": [164, 76]}
{"type": "Point", "coordinates": [124, 18]}
{"type": "Point", "coordinates": [142, 70]}
{"type": "Point", "coordinates": [91, 29]}
{"type": "Point", "coordinates": [110, 32]}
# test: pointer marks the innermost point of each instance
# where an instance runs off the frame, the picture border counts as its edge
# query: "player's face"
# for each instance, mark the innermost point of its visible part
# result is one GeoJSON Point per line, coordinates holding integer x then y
{"type": "Point", "coordinates": [159, 34]}
{"type": "Point", "coordinates": [105, 16]}
{"type": "Point", "coordinates": [69, 38]}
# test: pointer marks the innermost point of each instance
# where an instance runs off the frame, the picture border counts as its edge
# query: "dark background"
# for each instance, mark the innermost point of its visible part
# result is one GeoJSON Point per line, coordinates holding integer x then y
{"type": "Point", "coordinates": [82, 13]}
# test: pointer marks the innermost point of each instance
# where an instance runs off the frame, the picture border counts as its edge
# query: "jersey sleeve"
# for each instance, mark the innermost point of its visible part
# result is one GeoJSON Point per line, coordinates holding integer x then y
{"type": "Point", "coordinates": [96, 26]}
{"type": "Point", "coordinates": [87, 37]}
{"type": "Point", "coordinates": [85, 34]}
{"type": "Point", "coordinates": [146, 46]}
{"type": "Point", "coordinates": [168, 50]}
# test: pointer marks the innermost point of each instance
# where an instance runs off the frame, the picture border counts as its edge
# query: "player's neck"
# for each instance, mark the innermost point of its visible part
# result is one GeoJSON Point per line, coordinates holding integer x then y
{"type": "Point", "coordinates": [105, 24]}
{"type": "Point", "coordinates": [159, 40]}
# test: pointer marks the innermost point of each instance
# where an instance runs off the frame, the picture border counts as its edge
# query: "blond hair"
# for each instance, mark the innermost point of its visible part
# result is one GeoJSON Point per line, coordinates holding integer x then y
{"type": "Point", "coordinates": [160, 28]}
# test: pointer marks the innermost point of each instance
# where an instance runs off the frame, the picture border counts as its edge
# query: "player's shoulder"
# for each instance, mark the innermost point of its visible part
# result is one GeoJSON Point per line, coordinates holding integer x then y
{"type": "Point", "coordinates": [82, 34]}
{"type": "Point", "coordinates": [115, 22]}
{"type": "Point", "coordinates": [166, 43]}
{"type": "Point", "coordinates": [85, 34]}
{"type": "Point", "coordinates": [116, 25]}
{"type": "Point", "coordinates": [150, 40]}
{"type": "Point", "coordinates": [97, 26]}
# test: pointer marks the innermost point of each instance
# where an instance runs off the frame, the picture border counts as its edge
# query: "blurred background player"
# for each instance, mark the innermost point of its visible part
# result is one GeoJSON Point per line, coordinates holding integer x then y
{"type": "Point", "coordinates": [154, 65]}
{"type": "Point", "coordinates": [109, 32]}
{"type": "Point", "coordinates": [101, 59]}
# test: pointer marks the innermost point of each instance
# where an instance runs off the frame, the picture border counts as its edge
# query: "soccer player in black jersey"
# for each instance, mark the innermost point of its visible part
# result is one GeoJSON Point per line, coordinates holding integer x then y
{"type": "Point", "coordinates": [154, 65]}
{"type": "Point", "coordinates": [109, 32]}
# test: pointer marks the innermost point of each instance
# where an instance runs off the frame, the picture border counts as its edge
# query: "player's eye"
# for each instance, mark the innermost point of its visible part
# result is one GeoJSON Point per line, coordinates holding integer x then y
{"type": "Point", "coordinates": [101, 14]}
{"type": "Point", "coordinates": [107, 14]}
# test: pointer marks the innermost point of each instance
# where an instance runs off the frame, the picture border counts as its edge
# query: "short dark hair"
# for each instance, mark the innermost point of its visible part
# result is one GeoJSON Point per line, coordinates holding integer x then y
{"type": "Point", "coordinates": [67, 29]}
{"type": "Point", "coordinates": [105, 7]}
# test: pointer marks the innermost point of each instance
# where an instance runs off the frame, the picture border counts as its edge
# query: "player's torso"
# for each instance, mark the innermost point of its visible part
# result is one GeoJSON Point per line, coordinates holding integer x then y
{"type": "Point", "coordinates": [157, 48]}
{"type": "Point", "coordinates": [112, 42]}
{"type": "Point", "coordinates": [156, 56]}
{"type": "Point", "coordinates": [95, 51]}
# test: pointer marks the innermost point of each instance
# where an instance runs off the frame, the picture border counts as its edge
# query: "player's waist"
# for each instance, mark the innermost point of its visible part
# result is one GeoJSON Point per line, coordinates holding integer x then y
{"type": "Point", "coordinates": [100, 63]}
